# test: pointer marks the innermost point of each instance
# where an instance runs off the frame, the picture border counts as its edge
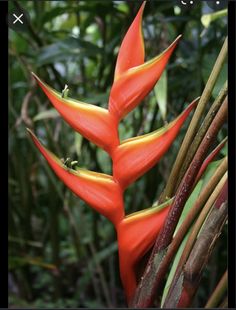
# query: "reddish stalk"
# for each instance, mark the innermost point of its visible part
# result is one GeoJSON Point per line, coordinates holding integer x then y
{"type": "Point", "coordinates": [146, 290]}
{"type": "Point", "coordinates": [184, 285]}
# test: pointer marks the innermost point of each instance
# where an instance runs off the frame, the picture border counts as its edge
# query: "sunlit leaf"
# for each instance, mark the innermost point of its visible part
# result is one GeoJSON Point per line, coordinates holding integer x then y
{"type": "Point", "coordinates": [51, 113]}
{"type": "Point", "coordinates": [208, 18]}
{"type": "Point", "coordinates": [160, 91]}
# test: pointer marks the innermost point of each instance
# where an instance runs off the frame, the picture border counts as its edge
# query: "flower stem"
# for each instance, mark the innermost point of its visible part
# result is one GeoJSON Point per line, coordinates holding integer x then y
{"type": "Point", "coordinates": [198, 248]}
{"type": "Point", "coordinates": [202, 131]}
{"type": "Point", "coordinates": [144, 297]}
{"type": "Point", "coordinates": [170, 186]}
{"type": "Point", "coordinates": [183, 229]}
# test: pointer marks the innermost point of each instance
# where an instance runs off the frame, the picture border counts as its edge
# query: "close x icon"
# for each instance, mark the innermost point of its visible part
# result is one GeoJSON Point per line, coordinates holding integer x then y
{"type": "Point", "coordinates": [18, 19]}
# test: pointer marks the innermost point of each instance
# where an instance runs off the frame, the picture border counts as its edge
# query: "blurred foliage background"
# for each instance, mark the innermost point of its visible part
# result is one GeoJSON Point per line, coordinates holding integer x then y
{"type": "Point", "coordinates": [61, 253]}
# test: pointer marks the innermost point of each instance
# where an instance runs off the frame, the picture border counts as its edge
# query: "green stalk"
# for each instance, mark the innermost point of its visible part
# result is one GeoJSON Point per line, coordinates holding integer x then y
{"type": "Point", "coordinates": [202, 131]}
{"type": "Point", "coordinates": [218, 292]}
{"type": "Point", "coordinates": [199, 257]}
{"type": "Point", "coordinates": [190, 247]}
{"type": "Point", "coordinates": [186, 224]}
{"type": "Point", "coordinates": [170, 186]}
{"type": "Point", "coordinates": [147, 287]}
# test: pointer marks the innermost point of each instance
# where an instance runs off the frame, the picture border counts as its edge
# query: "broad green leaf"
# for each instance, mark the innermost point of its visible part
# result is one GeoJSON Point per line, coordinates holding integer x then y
{"type": "Point", "coordinates": [160, 91]}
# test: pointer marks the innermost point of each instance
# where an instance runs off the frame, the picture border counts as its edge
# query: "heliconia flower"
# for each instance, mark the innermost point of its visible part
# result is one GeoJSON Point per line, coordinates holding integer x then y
{"type": "Point", "coordinates": [134, 84]}
{"type": "Point", "coordinates": [93, 122]}
{"type": "Point", "coordinates": [130, 54]}
{"type": "Point", "coordinates": [136, 235]}
{"type": "Point", "coordinates": [133, 80]}
{"type": "Point", "coordinates": [97, 189]}
{"type": "Point", "coordinates": [135, 156]}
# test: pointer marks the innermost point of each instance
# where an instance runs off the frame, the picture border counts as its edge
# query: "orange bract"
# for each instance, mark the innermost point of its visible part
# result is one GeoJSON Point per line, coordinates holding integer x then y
{"type": "Point", "coordinates": [135, 83]}
{"type": "Point", "coordinates": [130, 54]}
{"type": "Point", "coordinates": [133, 80]}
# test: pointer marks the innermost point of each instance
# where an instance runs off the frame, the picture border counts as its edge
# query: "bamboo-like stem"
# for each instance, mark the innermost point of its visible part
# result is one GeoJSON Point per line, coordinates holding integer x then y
{"type": "Point", "coordinates": [218, 292]}
{"type": "Point", "coordinates": [195, 210]}
{"type": "Point", "coordinates": [215, 200]}
{"type": "Point", "coordinates": [184, 149]}
{"type": "Point", "coordinates": [201, 253]}
{"type": "Point", "coordinates": [182, 194]}
{"type": "Point", "coordinates": [201, 132]}
{"type": "Point", "coordinates": [201, 219]}
{"type": "Point", "coordinates": [147, 287]}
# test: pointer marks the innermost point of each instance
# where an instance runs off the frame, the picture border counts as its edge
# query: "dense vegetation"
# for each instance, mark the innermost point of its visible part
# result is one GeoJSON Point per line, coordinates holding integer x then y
{"type": "Point", "coordinates": [62, 253]}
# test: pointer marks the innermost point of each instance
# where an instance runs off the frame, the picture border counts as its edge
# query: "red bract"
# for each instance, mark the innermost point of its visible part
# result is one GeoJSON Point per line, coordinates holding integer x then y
{"type": "Point", "coordinates": [94, 123]}
{"type": "Point", "coordinates": [135, 83]}
{"type": "Point", "coordinates": [135, 156]}
{"type": "Point", "coordinates": [99, 190]}
{"type": "Point", "coordinates": [136, 234]}
{"type": "Point", "coordinates": [133, 80]}
{"type": "Point", "coordinates": [130, 54]}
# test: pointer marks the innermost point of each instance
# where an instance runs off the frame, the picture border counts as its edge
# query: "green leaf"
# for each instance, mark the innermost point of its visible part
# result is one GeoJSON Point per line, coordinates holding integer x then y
{"type": "Point", "coordinates": [211, 168]}
{"type": "Point", "coordinates": [78, 143]}
{"type": "Point", "coordinates": [66, 49]}
{"type": "Point", "coordinates": [54, 12]}
{"type": "Point", "coordinates": [224, 150]}
{"type": "Point", "coordinates": [190, 202]}
{"type": "Point", "coordinates": [208, 18]}
{"type": "Point", "coordinates": [51, 113]}
{"type": "Point", "coordinates": [104, 161]}
{"type": "Point", "coordinates": [160, 91]}
{"type": "Point", "coordinates": [103, 254]}
{"type": "Point", "coordinates": [208, 63]}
